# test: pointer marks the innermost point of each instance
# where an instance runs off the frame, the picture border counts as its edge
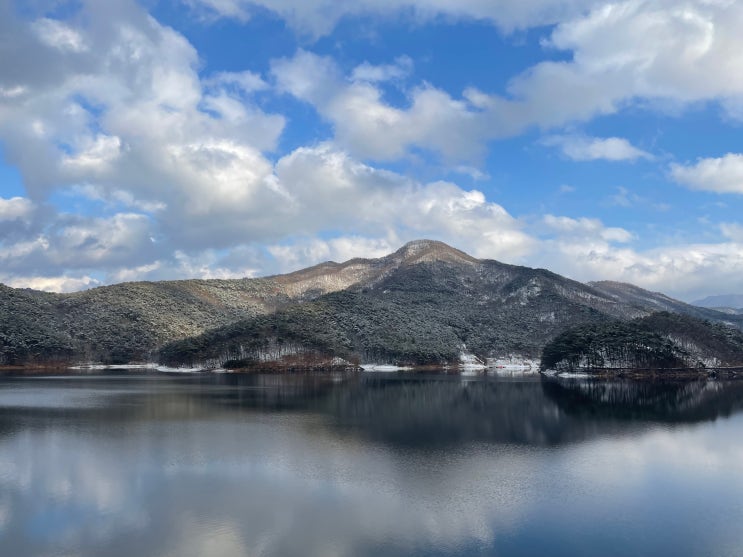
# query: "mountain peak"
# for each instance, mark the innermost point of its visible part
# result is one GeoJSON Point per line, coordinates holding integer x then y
{"type": "Point", "coordinates": [331, 277]}
{"type": "Point", "coordinates": [419, 251]}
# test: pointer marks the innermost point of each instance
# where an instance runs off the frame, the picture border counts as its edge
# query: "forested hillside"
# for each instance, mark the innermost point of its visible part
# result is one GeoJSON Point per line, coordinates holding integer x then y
{"type": "Point", "coordinates": [660, 341]}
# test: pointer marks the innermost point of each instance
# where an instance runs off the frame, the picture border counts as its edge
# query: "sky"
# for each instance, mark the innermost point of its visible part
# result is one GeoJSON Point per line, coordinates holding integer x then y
{"type": "Point", "coordinates": [169, 139]}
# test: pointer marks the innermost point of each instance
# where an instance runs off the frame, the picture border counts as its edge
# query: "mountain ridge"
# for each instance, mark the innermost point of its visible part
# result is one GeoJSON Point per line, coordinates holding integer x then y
{"type": "Point", "coordinates": [722, 302]}
{"type": "Point", "coordinates": [426, 289]}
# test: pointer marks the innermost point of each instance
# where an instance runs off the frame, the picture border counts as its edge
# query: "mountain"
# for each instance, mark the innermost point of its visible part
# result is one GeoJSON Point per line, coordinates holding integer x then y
{"type": "Point", "coordinates": [425, 303]}
{"type": "Point", "coordinates": [729, 303]}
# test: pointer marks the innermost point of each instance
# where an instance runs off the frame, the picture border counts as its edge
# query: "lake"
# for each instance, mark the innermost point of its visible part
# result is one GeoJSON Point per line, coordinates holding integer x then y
{"type": "Point", "coordinates": [146, 464]}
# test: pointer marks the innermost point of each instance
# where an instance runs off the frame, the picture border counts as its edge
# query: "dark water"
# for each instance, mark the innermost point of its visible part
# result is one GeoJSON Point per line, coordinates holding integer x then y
{"type": "Point", "coordinates": [156, 465]}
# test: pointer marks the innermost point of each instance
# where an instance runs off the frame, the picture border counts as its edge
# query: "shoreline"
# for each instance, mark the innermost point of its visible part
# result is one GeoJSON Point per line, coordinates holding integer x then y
{"type": "Point", "coordinates": [649, 373]}
{"type": "Point", "coordinates": [384, 369]}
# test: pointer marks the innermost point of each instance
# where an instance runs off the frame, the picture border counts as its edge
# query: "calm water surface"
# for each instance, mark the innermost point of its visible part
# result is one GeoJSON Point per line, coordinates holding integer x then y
{"type": "Point", "coordinates": [218, 465]}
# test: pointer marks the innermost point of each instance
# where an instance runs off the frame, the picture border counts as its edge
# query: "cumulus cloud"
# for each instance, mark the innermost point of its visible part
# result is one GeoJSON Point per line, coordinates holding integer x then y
{"type": "Point", "coordinates": [653, 53]}
{"type": "Point", "coordinates": [681, 270]}
{"type": "Point", "coordinates": [720, 175]}
{"type": "Point", "coordinates": [685, 51]}
{"type": "Point", "coordinates": [122, 114]}
{"type": "Point", "coordinates": [586, 228]}
{"type": "Point", "coordinates": [400, 69]}
{"type": "Point", "coordinates": [658, 54]}
{"type": "Point", "coordinates": [623, 51]}
{"type": "Point", "coordinates": [74, 242]}
{"type": "Point", "coordinates": [372, 211]}
{"type": "Point", "coordinates": [327, 182]}
{"type": "Point", "coordinates": [662, 51]}
{"type": "Point", "coordinates": [127, 122]}
{"type": "Point", "coordinates": [372, 128]}
{"type": "Point", "coordinates": [583, 148]}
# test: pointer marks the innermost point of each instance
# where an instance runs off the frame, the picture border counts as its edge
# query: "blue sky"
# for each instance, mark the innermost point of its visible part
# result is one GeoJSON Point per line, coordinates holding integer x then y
{"type": "Point", "coordinates": [166, 139]}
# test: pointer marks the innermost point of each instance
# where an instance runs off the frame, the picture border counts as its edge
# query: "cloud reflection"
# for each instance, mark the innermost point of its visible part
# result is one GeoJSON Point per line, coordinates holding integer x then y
{"type": "Point", "coordinates": [196, 468]}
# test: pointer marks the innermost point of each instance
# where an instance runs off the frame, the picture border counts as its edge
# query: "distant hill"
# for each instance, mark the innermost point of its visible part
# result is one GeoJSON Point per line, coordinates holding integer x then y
{"type": "Point", "coordinates": [638, 297]}
{"type": "Point", "coordinates": [724, 301]}
{"type": "Point", "coordinates": [425, 303]}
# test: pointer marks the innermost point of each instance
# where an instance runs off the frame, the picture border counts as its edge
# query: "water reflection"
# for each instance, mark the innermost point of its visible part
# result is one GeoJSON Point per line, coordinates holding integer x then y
{"type": "Point", "coordinates": [367, 465]}
{"type": "Point", "coordinates": [663, 401]}
{"type": "Point", "coordinates": [441, 411]}
{"type": "Point", "coordinates": [399, 410]}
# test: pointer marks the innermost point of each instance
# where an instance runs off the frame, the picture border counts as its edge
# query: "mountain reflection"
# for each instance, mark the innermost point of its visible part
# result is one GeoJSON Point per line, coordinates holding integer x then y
{"type": "Point", "coordinates": [443, 411]}
{"type": "Point", "coordinates": [434, 412]}
{"type": "Point", "coordinates": [400, 410]}
{"type": "Point", "coordinates": [658, 401]}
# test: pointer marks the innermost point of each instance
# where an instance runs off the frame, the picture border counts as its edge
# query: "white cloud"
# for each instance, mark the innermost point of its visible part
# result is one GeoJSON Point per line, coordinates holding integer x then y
{"type": "Point", "coordinates": [234, 9]}
{"type": "Point", "coordinates": [15, 208]}
{"type": "Point", "coordinates": [664, 51]}
{"type": "Point", "coordinates": [72, 244]}
{"type": "Point", "coordinates": [58, 35]}
{"type": "Point", "coordinates": [660, 55]}
{"type": "Point", "coordinates": [721, 175]}
{"type": "Point", "coordinates": [108, 240]}
{"type": "Point", "coordinates": [51, 284]}
{"type": "Point", "coordinates": [11, 92]}
{"type": "Point", "coordinates": [315, 18]}
{"type": "Point", "coordinates": [94, 155]}
{"type": "Point", "coordinates": [112, 198]}
{"type": "Point", "coordinates": [401, 68]}
{"type": "Point", "coordinates": [471, 171]}
{"type": "Point", "coordinates": [310, 251]}
{"type": "Point", "coordinates": [686, 271]}
{"type": "Point", "coordinates": [129, 122]}
{"type": "Point", "coordinates": [246, 81]}
{"type": "Point", "coordinates": [628, 52]}
{"type": "Point", "coordinates": [204, 264]}
{"type": "Point", "coordinates": [330, 186]}
{"type": "Point", "coordinates": [583, 148]}
{"type": "Point", "coordinates": [587, 228]}
{"type": "Point", "coordinates": [368, 126]}
{"type": "Point", "coordinates": [732, 231]}
{"type": "Point", "coordinates": [668, 49]}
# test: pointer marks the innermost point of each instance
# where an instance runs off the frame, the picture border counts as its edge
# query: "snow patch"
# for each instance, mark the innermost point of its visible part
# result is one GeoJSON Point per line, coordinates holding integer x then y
{"type": "Point", "coordinates": [384, 368]}
{"type": "Point", "coordinates": [470, 362]}
{"type": "Point", "coordinates": [150, 366]}
{"type": "Point", "coordinates": [113, 366]}
{"type": "Point", "coordinates": [167, 369]}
